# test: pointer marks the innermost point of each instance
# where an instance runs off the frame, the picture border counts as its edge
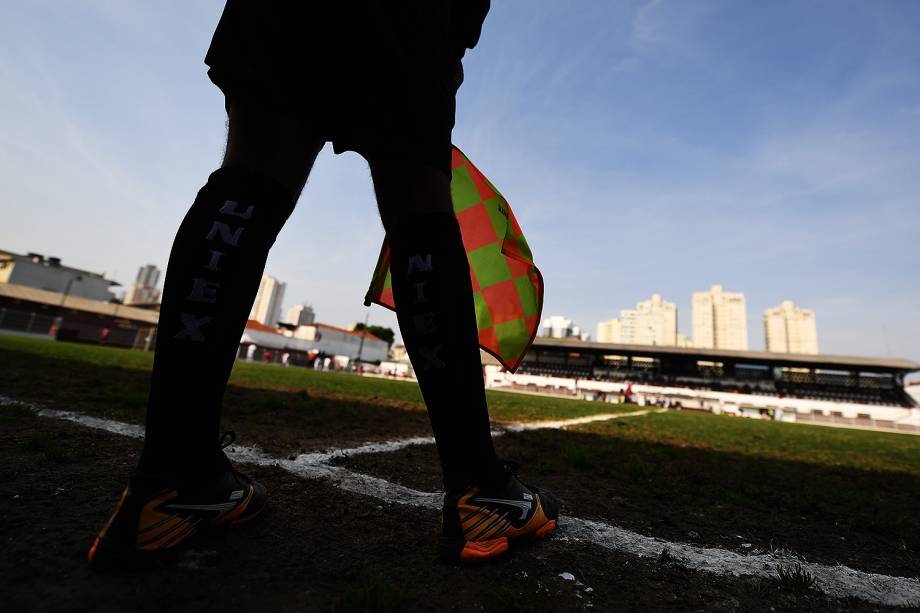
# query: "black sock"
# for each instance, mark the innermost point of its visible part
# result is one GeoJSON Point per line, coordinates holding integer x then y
{"type": "Point", "coordinates": [214, 271]}
{"type": "Point", "coordinates": [437, 318]}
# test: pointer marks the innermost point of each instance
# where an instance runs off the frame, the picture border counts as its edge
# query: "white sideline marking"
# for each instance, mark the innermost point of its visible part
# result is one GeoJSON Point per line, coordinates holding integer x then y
{"type": "Point", "coordinates": [836, 581]}
{"type": "Point", "coordinates": [563, 423]}
{"type": "Point", "coordinates": [395, 445]}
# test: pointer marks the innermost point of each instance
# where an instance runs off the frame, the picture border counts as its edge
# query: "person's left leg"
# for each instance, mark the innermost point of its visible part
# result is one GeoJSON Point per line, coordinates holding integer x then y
{"type": "Point", "coordinates": [485, 505]}
{"type": "Point", "coordinates": [434, 306]}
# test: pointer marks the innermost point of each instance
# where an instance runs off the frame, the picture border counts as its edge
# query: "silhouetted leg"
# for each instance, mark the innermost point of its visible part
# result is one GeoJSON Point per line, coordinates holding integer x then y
{"type": "Point", "coordinates": [214, 271]}
{"type": "Point", "coordinates": [434, 307]}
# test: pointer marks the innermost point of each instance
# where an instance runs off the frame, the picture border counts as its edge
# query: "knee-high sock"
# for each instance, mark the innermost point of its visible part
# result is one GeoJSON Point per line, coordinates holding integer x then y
{"type": "Point", "coordinates": [434, 307]}
{"type": "Point", "coordinates": [214, 272]}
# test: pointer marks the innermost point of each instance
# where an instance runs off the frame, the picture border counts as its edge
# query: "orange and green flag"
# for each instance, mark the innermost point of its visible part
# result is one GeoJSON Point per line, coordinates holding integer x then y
{"type": "Point", "coordinates": [507, 287]}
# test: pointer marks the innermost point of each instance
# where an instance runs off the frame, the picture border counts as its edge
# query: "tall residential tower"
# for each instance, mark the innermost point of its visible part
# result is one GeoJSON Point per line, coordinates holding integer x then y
{"type": "Point", "coordinates": [719, 319]}
{"type": "Point", "coordinates": [652, 322]}
{"type": "Point", "coordinates": [790, 329]}
{"type": "Point", "coordinates": [144, 289]}
{"type": "Point", "coordinates": [267, 307]}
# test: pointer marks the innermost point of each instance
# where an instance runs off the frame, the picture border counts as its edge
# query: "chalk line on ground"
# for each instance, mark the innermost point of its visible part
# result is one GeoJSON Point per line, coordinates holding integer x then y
{"type": "Point", "coordinates": [836, 581]}
{"type": "Point", "coordinates": [395, 445]}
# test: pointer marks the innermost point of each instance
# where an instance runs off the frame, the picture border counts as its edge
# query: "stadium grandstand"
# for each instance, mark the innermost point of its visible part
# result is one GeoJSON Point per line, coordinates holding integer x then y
{"type": "Point", "coordinates": [832, 389]}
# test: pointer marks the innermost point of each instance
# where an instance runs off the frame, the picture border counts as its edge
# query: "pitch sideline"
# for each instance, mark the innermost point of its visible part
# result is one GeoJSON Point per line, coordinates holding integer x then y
{"type": "Point", "coordinates": [836, 581]}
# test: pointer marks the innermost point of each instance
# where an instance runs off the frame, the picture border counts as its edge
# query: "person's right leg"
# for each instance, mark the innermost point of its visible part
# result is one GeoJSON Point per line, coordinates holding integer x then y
{"type": "Point", "coordinates": [184, 481]}
{"type": "Point", "coordinates": [213, 275]}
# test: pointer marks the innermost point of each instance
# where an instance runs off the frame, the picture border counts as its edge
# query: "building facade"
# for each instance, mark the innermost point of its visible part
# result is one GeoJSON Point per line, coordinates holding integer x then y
{"type": "Point", "coordinates": [301, 315]}
{"type": "Point", "coordinates": [37, 271]}
{"type": "Point", "coordinates": [558, 326]}
{"type": "Point", "coordinates": [652, 322]}
{"type": "Point", "coordinates": [610, 331]}
{"type": "Point", "coordinates": [790, 329]}
{"type": "Point", "coordinates": [315, 339]}
{"type": "Point", "coordinates": [144, 289]}
{"type": "Point", "coordinates": [719, 319]}
{"type": "Point", "coordinates": [267, 307]}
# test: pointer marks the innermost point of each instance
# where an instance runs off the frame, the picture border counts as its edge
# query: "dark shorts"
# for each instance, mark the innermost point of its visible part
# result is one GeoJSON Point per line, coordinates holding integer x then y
{"type": "Point", "coordinates": [375, 77]}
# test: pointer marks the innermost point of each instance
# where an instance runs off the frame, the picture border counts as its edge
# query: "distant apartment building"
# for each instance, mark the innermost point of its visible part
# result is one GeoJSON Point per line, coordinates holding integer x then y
{"type": "Point", "coordinates": [35, 270]}
{"type": "Point", "coordinates": [610, 331]}
{"type": "Point", "coordinates": [719, 319]}
{"type": "Point", "coordinates": [790, 329]}
{"type": "Point", "coordinates": [144, 289]}
{"type": "Point", "coordinates": [267, 307]}
{"type": "Point", "coordinates": [301, 315]}
{"type": "Point", "coordinates": [652, 322]}
{"type": "Point", "coordinates": [558, 326]}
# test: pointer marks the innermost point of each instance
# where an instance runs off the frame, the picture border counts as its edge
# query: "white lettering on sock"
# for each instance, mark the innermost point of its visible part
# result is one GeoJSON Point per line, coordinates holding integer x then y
{"type": "Point", "coordinates": [420, 263]}
{"type": "Point", "coordinates": [203, 291]}
{"type": "Point", "coordinates": [229, 208]}
{"type": "Point", "coordinates": [192, 327]}
{"type": "Point", "coordinates": [424, 324]}
{"type": "Point", "coordinates": [419, 293]}
{"type": "Point", "coordinates": [215, 260]}
{"type": "Point", "coordinates": [228, 236]}
{"type": "Point", "coordinates": [430, 356]}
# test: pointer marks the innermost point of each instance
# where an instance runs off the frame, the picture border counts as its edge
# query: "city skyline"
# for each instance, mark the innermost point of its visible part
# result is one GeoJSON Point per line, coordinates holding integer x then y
{"type": "Point", "coordinates": [677, 144]}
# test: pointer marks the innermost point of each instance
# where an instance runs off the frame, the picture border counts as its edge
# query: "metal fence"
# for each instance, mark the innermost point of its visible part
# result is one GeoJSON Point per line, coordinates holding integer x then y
{"type": "Point", "coordinates": [28, 322]}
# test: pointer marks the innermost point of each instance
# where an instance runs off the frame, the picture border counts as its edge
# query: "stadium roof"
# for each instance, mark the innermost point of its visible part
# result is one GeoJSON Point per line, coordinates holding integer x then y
{"type": "Point", "coordinates": [52, 262]}
{"type": "Point", "coordinates": [756, 357]}
{"type": "Point", "coordinates": [77, 303]}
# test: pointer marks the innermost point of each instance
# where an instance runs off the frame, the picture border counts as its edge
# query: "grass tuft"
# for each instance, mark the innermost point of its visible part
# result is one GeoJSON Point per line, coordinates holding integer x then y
{"type": "Point", "coordinates": [795, 577]}
{"type": "Point", "coordinates": [14, 411]}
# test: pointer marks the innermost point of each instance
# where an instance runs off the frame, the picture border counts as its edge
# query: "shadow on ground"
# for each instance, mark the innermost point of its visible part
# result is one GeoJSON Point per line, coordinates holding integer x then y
{"type": "Point", "coordinates": [866, 520]}
{"type": "Point", "coordinates": [316, 549]}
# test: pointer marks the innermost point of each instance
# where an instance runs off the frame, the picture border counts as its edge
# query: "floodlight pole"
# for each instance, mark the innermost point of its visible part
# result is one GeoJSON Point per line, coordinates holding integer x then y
{"type": "Point", "coordinates": [363, 332]}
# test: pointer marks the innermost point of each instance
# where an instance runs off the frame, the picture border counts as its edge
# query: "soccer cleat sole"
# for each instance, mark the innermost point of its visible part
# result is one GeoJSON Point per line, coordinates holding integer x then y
{"type": "Point", "coordinates": [106, 559]}
{"type": "Point", "coordinates": [459, 550]}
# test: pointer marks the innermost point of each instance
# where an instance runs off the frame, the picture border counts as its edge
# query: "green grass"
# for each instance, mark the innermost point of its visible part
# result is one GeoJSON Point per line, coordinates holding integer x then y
{"type": "Point", "coordinates": [795, 578]}
{"type": "Point", "coordinates": [830, 447]}
{"type": "Point", "coordinates": [796, 483]}
{"type": "Point", "coordinates": [114, 382]}
{"type": "Point", "coordinates": [839, 489]}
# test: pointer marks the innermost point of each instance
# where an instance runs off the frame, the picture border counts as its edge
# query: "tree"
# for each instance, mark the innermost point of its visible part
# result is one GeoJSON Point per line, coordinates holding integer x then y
{"type": "Point", "coordinates": [381, 332]}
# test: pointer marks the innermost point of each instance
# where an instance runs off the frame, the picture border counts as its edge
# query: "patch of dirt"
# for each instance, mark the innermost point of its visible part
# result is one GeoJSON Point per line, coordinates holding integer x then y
{"type": "Point", "coordinates": [316, 549]}
{"type": "Point", "coordinates": [700, 496]}
{"type": "Point", "coordinates": [281, 426]}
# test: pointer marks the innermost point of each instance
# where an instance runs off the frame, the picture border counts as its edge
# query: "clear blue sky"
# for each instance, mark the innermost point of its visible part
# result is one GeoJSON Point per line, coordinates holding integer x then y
{"type": "Point", "coordinates": [647, 146]}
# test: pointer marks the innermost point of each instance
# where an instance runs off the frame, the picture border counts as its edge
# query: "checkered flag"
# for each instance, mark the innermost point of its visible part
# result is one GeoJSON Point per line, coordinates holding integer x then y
{"type": "Point", "coordinates": [507, 286]}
